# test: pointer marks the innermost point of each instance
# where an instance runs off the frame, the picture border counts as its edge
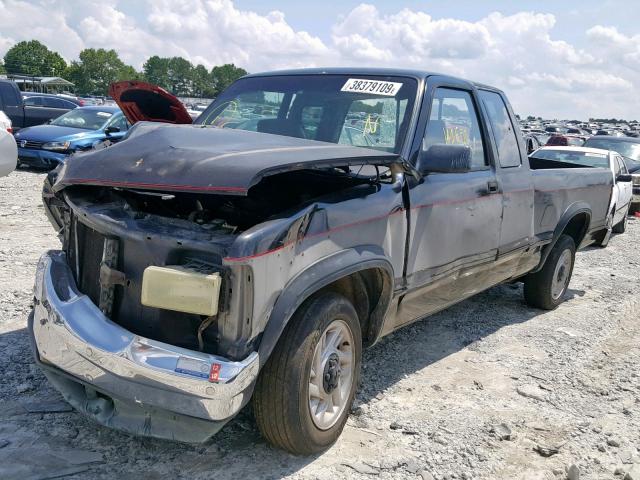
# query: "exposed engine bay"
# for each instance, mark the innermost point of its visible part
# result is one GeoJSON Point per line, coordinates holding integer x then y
{"type": "Point", "coordinates": [113, 234]}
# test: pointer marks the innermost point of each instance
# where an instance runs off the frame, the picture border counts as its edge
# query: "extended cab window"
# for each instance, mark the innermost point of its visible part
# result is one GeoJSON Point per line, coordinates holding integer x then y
{"type": "Point", "coordinates": [504, 132]}
{"type": "Point", "coordinates": [454, 121]}
{"type": "Point", "coordinates": [359, 110]}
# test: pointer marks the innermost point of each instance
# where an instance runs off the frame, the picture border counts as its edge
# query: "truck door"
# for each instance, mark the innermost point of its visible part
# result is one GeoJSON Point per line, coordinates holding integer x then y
{"type": "Point", "coordinates": [11, 104]}
{"type": "Point", "coordinates": [454, 218]}
{"type": "Point", "coordinates": [516, 182]}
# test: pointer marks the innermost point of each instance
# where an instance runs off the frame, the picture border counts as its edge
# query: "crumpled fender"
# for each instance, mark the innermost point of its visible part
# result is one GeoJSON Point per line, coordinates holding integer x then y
{"type": "Point", "coordinates": [317, 276]}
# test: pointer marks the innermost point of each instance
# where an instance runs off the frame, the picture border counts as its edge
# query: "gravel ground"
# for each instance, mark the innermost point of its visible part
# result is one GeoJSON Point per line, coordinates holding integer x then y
{"type": "Point", "coordinates": [488, 389]}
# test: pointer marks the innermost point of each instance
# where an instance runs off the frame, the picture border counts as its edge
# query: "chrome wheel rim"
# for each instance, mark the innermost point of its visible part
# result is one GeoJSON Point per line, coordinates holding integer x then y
{"type": "Point", "coordinates": [331, 375]}
{"type": "Point", "coordinates": [561, 275]}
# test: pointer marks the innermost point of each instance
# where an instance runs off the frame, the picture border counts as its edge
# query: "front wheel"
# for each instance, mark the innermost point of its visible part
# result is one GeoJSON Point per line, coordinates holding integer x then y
{"type": "Point", "coordinates": [305, 390]}
{"type": "Point", "coordinates": [545, 289]}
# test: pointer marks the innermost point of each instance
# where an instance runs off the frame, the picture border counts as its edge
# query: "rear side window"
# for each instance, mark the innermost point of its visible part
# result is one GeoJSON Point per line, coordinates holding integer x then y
{"type": "Point", "coordinates": [504, 132]}
{"type": "Point", "coordinates": [33, 101]}
{"type": "Point", "coordinates": [57, 103]}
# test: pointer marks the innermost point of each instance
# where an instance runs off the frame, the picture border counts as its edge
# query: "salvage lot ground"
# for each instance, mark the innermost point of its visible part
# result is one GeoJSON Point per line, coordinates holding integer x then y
{"type": "Point", "coordinates": [486, 389]}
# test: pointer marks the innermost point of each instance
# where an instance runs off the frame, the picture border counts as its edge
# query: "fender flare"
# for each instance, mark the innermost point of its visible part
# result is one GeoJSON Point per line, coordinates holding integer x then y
{"type": "Point", "coordinates": [568, 215]}
{"type": "Point", "coordinates": [320, 274]}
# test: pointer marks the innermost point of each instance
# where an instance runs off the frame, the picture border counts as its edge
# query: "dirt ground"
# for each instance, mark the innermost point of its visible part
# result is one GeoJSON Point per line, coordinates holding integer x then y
{"type": "Point", "coordinates": [488, 389]}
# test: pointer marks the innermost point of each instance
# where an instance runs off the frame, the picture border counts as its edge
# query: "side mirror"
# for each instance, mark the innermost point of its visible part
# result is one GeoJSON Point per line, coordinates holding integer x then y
{"type": "Point", "coordinates": [624, 177]}
{"type": "Point", "coordinates": [109, 130]}
{"type": "Point", "coordinates": [443, 158]}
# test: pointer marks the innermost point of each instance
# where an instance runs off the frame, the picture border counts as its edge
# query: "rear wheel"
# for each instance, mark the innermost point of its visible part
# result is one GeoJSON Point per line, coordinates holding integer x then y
{"type": "Point", "coordinates": [545, 289]}
{"type": "Point", "coordinates": [621, 226]}
{"type": "Point", "coordinates": [306, 388]}
{"type": "Point", "coordinates": [605, 235]}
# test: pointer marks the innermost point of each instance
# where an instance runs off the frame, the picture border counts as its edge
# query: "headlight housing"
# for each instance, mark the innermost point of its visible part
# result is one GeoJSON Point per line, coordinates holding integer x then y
{"type": "Point", "coordinates": [57, 146]}
{"type": "Point", "coordinates": [180, 289]}
{"type": "Point", "coordinates": [636, 179]}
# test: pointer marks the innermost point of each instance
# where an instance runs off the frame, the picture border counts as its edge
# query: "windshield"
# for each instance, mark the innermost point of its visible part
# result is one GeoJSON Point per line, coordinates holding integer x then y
{"type": "Point", "coordinates": [359, 110]}
{"type": "Point", "coordinates": [584, 159]}
{"type": "Point", "coordinates": [81, 118]}
{"type": "Point", "coordinates": [630, 150]}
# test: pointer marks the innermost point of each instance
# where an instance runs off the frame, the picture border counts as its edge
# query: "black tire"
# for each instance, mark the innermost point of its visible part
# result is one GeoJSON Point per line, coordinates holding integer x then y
{"type": "Point", "coordinates": [621, 226]}
{"type": "Point", "coordinates": [281, 397]}
{"type": "Point", "coordinates": [538, 287]}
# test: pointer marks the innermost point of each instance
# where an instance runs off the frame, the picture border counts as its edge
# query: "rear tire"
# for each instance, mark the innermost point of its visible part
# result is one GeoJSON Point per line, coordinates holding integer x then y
{"type": "Point", "coordinates": [545, 289]}
{"type": "Point", "coordinates": [621, 226]}
{"type": "Point", "coordinates": [316, 360]}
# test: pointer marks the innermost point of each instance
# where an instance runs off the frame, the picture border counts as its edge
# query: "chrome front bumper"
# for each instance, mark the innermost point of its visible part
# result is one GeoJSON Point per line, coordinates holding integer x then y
{"type": "Point", "coordinates": [126, 381]}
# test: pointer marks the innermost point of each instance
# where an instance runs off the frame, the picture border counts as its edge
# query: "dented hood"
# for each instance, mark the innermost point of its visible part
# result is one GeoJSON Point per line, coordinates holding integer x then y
{"type": "Point", "coordinates": [164, 157]}
{"type": "Point", "coordinates": [144, 102]}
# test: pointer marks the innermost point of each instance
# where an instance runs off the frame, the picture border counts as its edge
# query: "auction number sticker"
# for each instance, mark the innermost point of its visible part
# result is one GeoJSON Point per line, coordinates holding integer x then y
{"type": "Point", "coordinates": [375, 87]}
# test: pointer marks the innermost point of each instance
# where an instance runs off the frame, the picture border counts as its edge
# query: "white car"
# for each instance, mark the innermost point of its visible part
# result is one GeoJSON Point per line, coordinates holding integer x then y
{"type": "Point", "coordinates": [8, 153]}
{"type": "Point", "coordinates": [5, 122]}
{"type": "Point", "coordinates": [594, 157]}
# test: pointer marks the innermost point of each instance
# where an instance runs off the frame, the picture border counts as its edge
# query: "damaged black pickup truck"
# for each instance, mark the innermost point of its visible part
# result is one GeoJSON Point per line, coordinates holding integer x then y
{"type": "Point", "coordinates": [303, 216]}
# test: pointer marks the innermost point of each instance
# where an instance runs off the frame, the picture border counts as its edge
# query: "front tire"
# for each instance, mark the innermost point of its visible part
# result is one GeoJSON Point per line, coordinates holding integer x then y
{"type": "Point", "coordinates": [545, 289]}
{"type": "Point", "coordinates": [305, 391]}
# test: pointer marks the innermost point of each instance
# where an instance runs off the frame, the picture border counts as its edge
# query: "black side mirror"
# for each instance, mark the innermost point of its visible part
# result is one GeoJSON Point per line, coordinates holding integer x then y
{"type": "Point", "coordinates": [624, 177]}
{"type": "Point", "coordinates": [442, 158]}
{"type": "Point", "coordinates": [110, 130]}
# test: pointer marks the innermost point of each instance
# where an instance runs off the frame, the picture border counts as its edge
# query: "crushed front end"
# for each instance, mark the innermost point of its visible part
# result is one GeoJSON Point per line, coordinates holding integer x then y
{"type": "Point", "coordinates": [174, 368]}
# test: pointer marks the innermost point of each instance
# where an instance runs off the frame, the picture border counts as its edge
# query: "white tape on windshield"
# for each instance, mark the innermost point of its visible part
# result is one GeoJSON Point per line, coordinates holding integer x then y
{"type": "Point", "coordinates": [372, 87]}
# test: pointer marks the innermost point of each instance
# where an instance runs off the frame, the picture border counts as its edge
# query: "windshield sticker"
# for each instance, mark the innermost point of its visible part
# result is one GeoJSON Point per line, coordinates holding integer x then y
{"type": "Point", "coordinates": [104, 114]}
{"type": "Point", "coordinates": [374, 87]}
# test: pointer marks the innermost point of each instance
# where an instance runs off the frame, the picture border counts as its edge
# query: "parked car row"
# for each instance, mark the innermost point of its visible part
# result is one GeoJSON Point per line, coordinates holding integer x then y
{"type": "Point", "coordinates": [46, 146]}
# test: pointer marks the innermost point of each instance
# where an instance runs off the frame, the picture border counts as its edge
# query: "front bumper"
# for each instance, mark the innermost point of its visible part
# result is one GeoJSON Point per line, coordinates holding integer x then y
{"type": "Point", "coordinates": [39, 158]}
{"type": "Point", "coordinates": [126, 381]}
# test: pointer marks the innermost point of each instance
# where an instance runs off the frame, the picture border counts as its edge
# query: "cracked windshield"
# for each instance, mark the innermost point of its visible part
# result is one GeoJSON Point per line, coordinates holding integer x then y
{"type": "Point", "coordinates": [371, 112]}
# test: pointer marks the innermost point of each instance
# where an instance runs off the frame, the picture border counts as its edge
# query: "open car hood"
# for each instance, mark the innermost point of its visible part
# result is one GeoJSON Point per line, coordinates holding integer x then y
{"type": "Point", "coordinates": [144, 102]}
{"type": "Point", "coordinates": [195, 158]}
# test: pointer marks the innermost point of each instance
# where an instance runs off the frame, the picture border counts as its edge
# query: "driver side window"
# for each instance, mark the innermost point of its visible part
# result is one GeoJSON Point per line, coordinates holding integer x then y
{"type": "Point", "coordinates": [454, 121]}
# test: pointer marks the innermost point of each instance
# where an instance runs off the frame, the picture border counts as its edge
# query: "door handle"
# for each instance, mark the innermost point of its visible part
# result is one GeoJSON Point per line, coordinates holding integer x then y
{"type": "Point", "coordinates": [492, 186]}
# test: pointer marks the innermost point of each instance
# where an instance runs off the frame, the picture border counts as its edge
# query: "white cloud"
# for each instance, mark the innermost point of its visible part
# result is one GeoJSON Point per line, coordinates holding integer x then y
{"type": "Point", "coordinates": [521, 53]}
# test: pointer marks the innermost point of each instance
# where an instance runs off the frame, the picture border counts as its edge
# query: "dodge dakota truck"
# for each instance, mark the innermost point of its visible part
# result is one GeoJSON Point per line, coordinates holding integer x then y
{"type": "Point", "coordinates": [304, 215]}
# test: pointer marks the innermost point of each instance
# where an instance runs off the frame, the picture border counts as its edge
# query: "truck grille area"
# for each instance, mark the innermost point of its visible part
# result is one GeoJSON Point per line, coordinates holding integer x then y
{"type": "Point", "coordinates": [88, 251]}
{"type": "Point", "coordinates": [85, 249]}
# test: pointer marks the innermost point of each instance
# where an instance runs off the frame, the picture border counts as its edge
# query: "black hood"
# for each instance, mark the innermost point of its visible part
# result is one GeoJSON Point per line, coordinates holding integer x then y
{"type": "Point", "coordinates": [205, 159]}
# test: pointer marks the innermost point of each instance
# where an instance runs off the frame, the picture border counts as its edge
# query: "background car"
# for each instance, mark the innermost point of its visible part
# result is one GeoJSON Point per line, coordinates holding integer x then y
{"type": "Point", "coordinates": [5, 122]}
{"type": "Point", "coordinates": [629, 148]}
{"type": "Point", "coordinates": [8, 153]}
{"type": "Point", "coordinates": [580, 157]}
{"type": "Point", "coordinates": [565, 141]}
{"type": "Point", "coordinates": [45, 146]}
{"type": "Point", "coordinates": [33, 109]}
{"type": "Point", "coordinates": [532, 143]}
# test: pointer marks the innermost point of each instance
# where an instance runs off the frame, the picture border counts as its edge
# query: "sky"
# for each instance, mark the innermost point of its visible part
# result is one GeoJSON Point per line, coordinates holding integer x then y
{"type": "Point", "coordinates": [555, 59]}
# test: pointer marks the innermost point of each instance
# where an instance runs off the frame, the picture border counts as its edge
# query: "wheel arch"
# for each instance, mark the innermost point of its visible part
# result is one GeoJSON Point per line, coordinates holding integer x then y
{"type": "Point", "coordinates": [575, 222]}
{"type": "Point", "coordinates": [362, 274]}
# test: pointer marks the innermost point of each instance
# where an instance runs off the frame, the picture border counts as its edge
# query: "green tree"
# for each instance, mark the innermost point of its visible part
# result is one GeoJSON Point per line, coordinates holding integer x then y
{"type": "Point", "coordinates": [2, 69]}
{"type": "Point", "coordinates": [97, 69]}
{"type": "Point", "coordinates": [179, 75]}
{"type": "Point", "coordinates": [202, 85]}
{"type": "Point", "coordinates": [33, 58]}
{"type": "Point", "coordinates": [224, 75]}
{"type": "Point", "coordinates": [156, 71]}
